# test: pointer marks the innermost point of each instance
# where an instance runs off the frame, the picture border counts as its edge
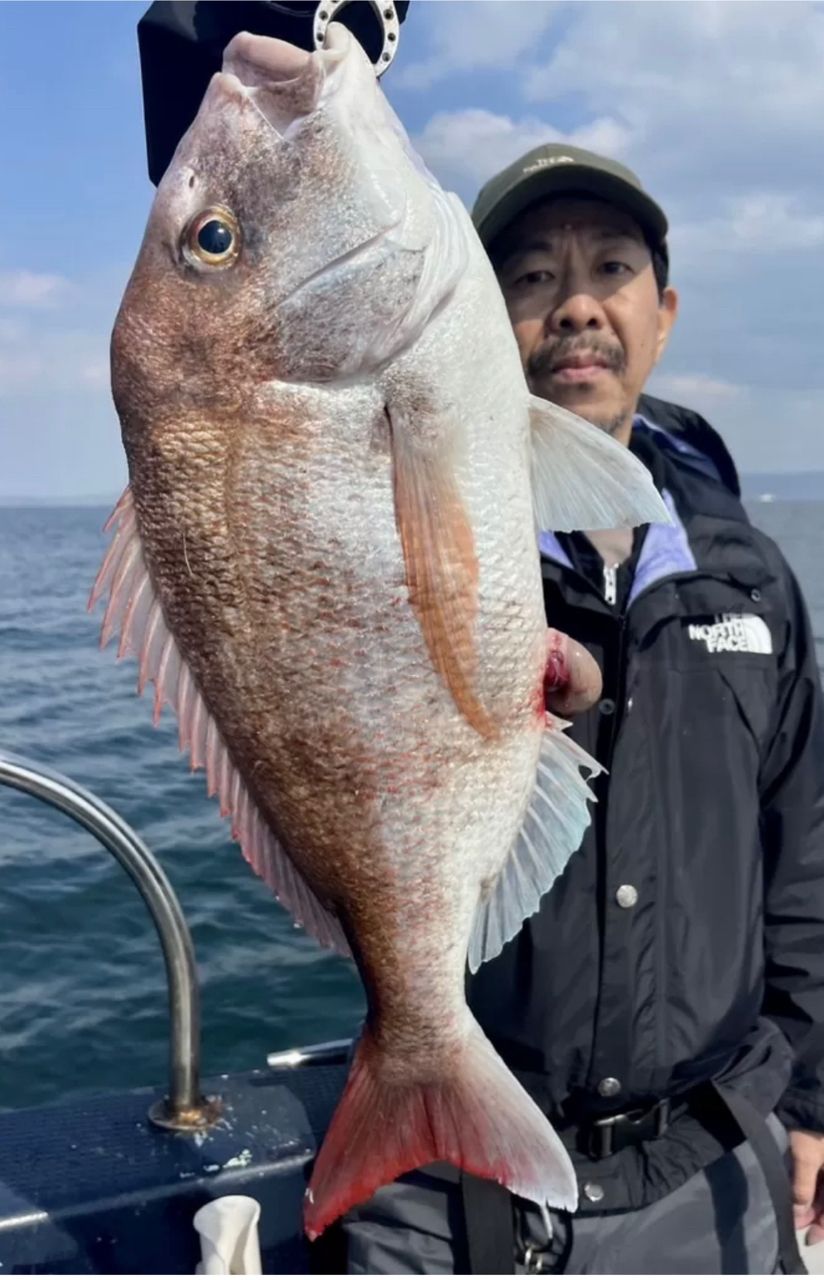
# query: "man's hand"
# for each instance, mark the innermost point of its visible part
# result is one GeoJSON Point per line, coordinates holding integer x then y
{"type": "Point", "coordinates": [573, 681]}
{"type": "Point", "coordinates": [808, 1186]}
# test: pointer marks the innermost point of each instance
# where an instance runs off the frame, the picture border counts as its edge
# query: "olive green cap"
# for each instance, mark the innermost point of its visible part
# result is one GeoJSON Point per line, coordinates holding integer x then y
{"type": "Point", "coordinates": [556, 169]}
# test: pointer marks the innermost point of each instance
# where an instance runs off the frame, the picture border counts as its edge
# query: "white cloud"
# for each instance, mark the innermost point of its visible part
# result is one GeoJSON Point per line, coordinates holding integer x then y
{"type": "Point", "coordinates": [96, 372]}
{"type": "Point", "coordinates": [472, 35]}
{"type": "Point", "coordinates": [51, 349]}
{"type": "Point", "coordinates": [757, 222]}
{"type": "Point", "coordinates": [766, 430]}
{"type": "Point", "coordinates": [729, 93]}
{"type": "Point", "coordinates": [692, 387]}
{"type": "Point", "coordinates": [464, 148]}
{"type": "Point", "coordinates": [774, 221]}
{"type": "Point", "coordinates": [19, 369]}
{"type": "Point", "coordinates": [59, 427]}
{"type": "Point", "coordinates": [10, 330]}
{"type": "Point", "coordinates": [60, 361]}
{"type": "Point", "coordinates": [32, 289]}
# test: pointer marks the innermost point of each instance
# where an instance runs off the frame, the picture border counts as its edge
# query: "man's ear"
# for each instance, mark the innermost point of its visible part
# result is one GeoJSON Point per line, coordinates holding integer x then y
{"type": "Point", "coordinates": [667, 312]}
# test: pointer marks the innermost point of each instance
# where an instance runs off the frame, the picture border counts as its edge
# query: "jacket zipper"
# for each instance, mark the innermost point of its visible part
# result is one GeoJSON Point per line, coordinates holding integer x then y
{"type": "Point", "coordinates": [611, 584]}
{"type": "Point", "coordinates": [604, 750]}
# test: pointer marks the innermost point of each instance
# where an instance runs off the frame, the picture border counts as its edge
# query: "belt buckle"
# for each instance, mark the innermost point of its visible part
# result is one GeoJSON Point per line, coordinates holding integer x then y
{"type": "Point", "coordinates": [533, 1261]}
{"type": "Point", "coordinates": [605, 1125]}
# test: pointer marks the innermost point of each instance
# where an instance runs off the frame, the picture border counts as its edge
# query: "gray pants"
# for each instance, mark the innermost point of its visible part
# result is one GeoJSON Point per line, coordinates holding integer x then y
{"type": "Point", "coordinates": [720, 1222]}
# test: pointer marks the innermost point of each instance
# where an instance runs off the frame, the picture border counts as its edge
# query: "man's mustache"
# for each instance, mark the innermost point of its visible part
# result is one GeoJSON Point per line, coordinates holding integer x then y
{"type": "Point", "coordinates": [546, 359]}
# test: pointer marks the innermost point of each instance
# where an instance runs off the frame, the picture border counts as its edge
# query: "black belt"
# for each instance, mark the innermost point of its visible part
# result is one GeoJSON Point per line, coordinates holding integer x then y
{"type": "Point", "coordinates": [601, 1136]}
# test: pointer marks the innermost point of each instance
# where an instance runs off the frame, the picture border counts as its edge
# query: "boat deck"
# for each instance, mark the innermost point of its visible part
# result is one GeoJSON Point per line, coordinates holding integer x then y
{"type": "Point", "coordinates": [92, 1187]}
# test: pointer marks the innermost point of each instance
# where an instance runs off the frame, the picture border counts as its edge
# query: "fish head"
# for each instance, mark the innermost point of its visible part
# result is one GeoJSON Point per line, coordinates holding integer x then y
{"type": "Point", "coordinates": [296, 235]}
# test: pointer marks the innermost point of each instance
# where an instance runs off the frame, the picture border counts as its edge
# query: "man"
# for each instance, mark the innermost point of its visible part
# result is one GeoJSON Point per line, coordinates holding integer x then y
{"type": "Point", "coordinates": [665, 1006]}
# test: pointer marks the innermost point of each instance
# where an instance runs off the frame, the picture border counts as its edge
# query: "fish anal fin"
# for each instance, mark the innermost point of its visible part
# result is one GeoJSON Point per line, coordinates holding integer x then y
{"type": "Point", "coordinates": [440, 561]}
{"type": "Point", "coordinates": [553, 827]}
{"type": "Point", "coordinates": [135, 610]}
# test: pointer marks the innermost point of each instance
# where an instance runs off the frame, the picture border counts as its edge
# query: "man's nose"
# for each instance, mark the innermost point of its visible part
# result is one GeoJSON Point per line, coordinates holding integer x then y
{"type": "Point", "coordinates": [575, 313]}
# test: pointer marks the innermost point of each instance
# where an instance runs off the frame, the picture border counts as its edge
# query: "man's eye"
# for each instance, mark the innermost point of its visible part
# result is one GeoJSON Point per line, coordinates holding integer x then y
{"type": "Point", "coordinates": [533, 277]}
{"type": "Point", "coordinates": [616, 268]}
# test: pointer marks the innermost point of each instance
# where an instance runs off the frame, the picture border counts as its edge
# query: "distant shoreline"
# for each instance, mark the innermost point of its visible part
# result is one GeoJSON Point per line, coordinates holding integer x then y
{"type": "Point", "coordinates": [776, 487]}
{"type": "Point", "coordinates": [56, 504]}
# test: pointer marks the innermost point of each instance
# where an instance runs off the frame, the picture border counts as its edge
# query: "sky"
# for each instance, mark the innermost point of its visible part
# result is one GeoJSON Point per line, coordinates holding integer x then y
{"type": "Point", "coordinates": [719, 107]}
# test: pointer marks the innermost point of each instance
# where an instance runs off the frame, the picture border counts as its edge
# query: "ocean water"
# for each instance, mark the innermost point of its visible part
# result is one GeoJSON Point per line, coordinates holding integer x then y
{"type": "Point", "coordinates": [82, 988]}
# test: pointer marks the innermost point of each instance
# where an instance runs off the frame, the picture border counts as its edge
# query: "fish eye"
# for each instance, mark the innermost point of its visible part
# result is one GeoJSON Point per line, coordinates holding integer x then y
{"type": "Point", "coordinates": [213, 237]}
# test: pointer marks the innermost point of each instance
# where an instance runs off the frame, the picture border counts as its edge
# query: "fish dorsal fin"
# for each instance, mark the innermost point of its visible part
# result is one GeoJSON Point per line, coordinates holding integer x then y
{"type": "Point", "coordinates": [552, 830]}
{"type": "Point", "coordinates": [134, 611]}
{"type": "Point", "coordinates": [583, 479]}
{"type": "Point", "coordinates": [439, 557]}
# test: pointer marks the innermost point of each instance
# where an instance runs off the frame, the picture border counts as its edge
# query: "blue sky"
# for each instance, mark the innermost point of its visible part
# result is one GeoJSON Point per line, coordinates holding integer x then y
{"type": "Point", "coordinates": [719, 107]}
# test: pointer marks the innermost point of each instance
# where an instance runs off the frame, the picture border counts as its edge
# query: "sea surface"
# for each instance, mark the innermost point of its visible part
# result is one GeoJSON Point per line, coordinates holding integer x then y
{"type": "Point", "coordinates": [82, 988]}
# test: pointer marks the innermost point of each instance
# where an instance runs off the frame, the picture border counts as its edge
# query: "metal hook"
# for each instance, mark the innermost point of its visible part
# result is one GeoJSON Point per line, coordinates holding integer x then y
{"type": "Point", "coordinates": [387, 16]}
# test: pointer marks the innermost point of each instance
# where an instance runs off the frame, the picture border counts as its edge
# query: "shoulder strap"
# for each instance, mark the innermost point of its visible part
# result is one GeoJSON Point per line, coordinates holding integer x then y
{"type": "Point", "coordinates": [754, 1128]}
{"type": "Point", "coordinates": [490, 1227]}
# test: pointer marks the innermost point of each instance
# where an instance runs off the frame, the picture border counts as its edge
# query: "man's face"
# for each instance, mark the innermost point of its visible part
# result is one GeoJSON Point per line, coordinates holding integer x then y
{"type": "Point", "coordinates": [579, 285]}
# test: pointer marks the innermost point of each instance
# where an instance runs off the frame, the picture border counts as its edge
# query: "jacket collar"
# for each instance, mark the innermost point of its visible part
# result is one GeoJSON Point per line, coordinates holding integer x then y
{"type": "Point", "coordinates": [710, 533]}
{"type": "Point", "coordinates": [665, 552]}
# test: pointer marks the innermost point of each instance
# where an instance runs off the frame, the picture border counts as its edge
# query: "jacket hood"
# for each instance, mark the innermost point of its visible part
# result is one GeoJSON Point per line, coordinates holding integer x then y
{"type": "Point", "coordinates": [691, 435]}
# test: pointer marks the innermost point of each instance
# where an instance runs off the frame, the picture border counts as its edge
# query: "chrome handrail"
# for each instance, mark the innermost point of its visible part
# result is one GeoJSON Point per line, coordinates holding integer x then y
{"type": "Point", "coordinates": [185, 1108]}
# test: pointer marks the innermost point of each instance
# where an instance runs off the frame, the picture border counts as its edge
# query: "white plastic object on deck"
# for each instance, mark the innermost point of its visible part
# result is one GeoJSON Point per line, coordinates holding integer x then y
{"type": "Point", "coordinates": [229, 1243]}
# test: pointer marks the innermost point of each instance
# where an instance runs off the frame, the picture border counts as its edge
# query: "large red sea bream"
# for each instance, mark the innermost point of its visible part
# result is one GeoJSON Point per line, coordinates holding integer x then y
{"type": "Point", "coordinates": [326, 561]}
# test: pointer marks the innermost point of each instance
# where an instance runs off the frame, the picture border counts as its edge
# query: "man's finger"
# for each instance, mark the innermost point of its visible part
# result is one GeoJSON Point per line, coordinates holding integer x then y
{"type": "Point", "coordinates": [573, 680]}
{"type": "Point", "coordinates": [806, 1168]}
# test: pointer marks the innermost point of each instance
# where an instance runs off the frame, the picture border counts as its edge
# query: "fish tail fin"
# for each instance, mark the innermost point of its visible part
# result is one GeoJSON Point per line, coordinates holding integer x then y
{"type": "Point", "coordinates": [475, 1116]}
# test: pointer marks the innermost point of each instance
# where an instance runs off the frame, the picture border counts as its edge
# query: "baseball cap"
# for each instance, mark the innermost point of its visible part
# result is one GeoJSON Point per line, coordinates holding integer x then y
{"type": "Point", "coordinates": [555, 169]}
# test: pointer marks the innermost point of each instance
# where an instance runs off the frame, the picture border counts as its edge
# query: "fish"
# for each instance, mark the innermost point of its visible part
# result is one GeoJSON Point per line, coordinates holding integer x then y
{"type": "Point", "coordinates": [326, 562]}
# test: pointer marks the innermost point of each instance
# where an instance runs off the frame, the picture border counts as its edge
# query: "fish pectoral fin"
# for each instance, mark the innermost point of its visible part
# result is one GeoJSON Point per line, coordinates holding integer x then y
{"type": "Point", "coordinates": [552, 830]}
{"type": "Point", "coordinates": [583, 479]}
{"type": "Point", "coordinates": [135, 612]}
{"type": "Point", "coordinates": [440, 561]}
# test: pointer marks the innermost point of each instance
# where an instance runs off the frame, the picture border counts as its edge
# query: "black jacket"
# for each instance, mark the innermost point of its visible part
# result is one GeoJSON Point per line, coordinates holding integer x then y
{"type": "Point", "coordinates": [709, 962]}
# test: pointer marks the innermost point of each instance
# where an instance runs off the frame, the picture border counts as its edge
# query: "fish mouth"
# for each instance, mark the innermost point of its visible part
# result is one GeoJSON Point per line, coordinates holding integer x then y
{"type": "Point", "coordinates": [284, 81]}
{"type": "Point", "coordinates": [259, 61]}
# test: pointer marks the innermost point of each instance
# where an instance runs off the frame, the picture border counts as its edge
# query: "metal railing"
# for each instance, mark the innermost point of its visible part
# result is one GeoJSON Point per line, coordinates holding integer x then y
{"type": "Point", "coordinates": [329, 1053]}
{"type": "Point", "coordinates": [184, 1108]}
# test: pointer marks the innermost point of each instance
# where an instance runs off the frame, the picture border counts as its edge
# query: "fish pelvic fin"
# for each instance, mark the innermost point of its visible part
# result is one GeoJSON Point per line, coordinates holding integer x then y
{"type": "Point", "coordinates": [134, 611]}
{"type": "Point", "coordinates": [440, 561]}
{"type": "Point", "coordinates": [583, 479]}
{"type": "Point", "coordinates": [553, 827]}
{"type": "Point", "coordinates": [475, 1116]}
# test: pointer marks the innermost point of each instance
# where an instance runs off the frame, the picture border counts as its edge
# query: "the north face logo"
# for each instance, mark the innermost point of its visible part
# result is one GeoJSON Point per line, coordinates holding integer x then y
{"type": "Point", "coordinates": [733, 633]}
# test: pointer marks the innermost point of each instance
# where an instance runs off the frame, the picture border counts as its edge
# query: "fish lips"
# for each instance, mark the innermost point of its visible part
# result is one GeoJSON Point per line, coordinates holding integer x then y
{"type": "Point", "coordinates": [286, 83]}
